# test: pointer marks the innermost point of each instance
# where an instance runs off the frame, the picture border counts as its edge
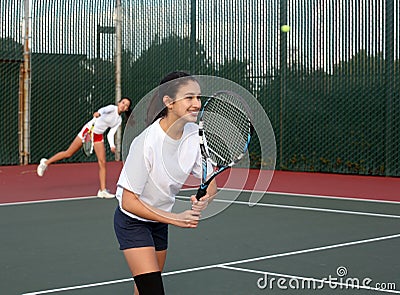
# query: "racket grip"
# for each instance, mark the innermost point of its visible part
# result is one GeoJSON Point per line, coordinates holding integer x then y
{"type": "Point", "coordinates": [201, 192]}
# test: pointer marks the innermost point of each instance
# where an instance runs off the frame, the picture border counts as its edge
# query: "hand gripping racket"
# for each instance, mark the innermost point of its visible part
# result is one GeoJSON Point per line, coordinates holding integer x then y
{"type": "Point", "coordinates": [87, 142]}
{"type": "Point", "coordinates": [225, 132]}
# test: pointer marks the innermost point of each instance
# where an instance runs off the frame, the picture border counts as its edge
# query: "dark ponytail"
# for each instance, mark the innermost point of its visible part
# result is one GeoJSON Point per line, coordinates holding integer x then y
{"type": "Point", "coordinates": [129, 110]}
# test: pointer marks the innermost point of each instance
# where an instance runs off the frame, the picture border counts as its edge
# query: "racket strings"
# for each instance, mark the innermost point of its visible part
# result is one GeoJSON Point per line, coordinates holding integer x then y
{"type": "Point", "coordinates": [226, 128]}
{"type": "Point", "coordinates": [87, 143]}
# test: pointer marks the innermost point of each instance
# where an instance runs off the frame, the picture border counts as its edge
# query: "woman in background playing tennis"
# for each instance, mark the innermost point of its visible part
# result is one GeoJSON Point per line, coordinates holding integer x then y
{"type": "Point", "coordinates": [158, 163]}
{"type": "Point", "coordinates": [106, 117]}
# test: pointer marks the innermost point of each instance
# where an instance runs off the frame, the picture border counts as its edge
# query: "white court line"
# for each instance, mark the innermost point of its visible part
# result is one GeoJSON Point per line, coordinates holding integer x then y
{"type": "Point", "coordinates": [311, 209]}
{"type": "Point", "coordinates": [226, 264]}
{"type": "Point", "coordinates": [304, 208]}
{"type": "Point", "coordinates": [79, 287]}
{"type": "Point", "coordinates": [312, 280]}
{"type": "Point", "coordinates": [48, 201]}
{"type": "Point", "coordinates": [233, 202]}
{"type": "Point", "coordinates": [341, 198]}
{"type": "Point", "coordinates": [328, 197]}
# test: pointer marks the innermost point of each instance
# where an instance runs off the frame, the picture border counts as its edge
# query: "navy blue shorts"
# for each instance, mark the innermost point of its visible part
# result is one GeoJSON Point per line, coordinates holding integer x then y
{"type": "Point", "coordinates": [134, 233]}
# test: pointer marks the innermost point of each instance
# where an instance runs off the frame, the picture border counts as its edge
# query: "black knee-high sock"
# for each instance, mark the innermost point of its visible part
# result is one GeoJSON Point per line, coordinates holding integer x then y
{"type": "Point", "coordinates": [150, 283]}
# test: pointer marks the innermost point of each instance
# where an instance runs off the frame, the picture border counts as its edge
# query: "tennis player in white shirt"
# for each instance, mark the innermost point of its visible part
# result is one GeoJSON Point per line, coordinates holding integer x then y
{"type": "Point", "coordinates": [106, 117]}
{"type": "Point", "coordinates": [159, 161]}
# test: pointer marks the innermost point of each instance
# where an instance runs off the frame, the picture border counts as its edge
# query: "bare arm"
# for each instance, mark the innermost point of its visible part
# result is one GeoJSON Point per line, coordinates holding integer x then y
{"type": "Point", "coordinates": [132, 203]}
{"type": "Point", "coordinates": [212, 190]}
{"type": "Point", "coordinates": [200, 205]}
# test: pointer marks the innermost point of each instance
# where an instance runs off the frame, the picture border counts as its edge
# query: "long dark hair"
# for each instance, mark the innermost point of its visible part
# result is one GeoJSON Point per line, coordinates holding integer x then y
{"type": "Point", "coordinates": [169, 85]}
{"type": "Point", "coordinates": [129, 110]}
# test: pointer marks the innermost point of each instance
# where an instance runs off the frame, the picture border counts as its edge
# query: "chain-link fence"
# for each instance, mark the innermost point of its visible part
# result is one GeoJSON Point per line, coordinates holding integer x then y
{"type": "Point", "coordinates": [330, 85]}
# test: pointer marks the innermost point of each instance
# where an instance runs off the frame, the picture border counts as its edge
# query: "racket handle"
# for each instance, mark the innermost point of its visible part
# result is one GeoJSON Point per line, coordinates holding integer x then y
{"type": "Point", "coordinates": [201, 192]}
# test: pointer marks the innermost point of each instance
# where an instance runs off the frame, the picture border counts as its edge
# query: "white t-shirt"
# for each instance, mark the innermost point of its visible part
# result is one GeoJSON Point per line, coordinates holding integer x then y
{"type": "Point", "coordinates": [157, 166]}
{"type": "Point", "coordinates": [109, 118]}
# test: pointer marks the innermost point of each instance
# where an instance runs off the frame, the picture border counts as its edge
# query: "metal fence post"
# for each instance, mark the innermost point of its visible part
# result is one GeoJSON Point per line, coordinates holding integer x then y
{"type": "Point", "coordinates": [282, 76]}
{"type": "Point", "coordinates": [25, 103]}
{"type": "Point", "coordinates": [389, 74]}
{"type": "Point", "coordinates": [193, 36]}
{"type": "Point", "coordinates": [118, 49]}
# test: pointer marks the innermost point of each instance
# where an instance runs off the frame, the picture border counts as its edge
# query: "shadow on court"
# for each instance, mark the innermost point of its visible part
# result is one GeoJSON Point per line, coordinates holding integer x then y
{"type": "Point", "coordinates": [283, 245]}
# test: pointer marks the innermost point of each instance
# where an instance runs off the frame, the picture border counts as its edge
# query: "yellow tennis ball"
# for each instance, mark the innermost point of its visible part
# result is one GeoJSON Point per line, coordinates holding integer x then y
{"type": "Point", "coordinates": [285, 28]}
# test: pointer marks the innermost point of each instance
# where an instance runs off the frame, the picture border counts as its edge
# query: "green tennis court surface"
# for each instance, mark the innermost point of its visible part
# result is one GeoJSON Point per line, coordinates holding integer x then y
{"type": "Point", "coordinates": [283, 245]}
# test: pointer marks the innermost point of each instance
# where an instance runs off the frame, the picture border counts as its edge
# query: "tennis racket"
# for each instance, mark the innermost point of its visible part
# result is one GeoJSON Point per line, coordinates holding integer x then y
{"type": "Point", "coordinates": [225, 131]}
{"type": "Point", "coordinates": [87, 142]}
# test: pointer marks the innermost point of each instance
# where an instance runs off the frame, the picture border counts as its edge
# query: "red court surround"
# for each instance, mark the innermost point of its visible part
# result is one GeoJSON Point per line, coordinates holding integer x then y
{"type": "Point", "coordinates": [20, 183]}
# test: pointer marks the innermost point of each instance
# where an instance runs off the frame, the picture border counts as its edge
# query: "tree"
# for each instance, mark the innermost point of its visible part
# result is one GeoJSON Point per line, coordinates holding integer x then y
{"type": "Point", "coordinates": [330, 122]}
{"type": "Point", "coordinates": [169, 54]}
{"type": "Point", "coordinates": [236, 71]}
{"type": "Point", "coordinates": [10, 61]}
{"type": "Point", "coordinates": [10, 49]}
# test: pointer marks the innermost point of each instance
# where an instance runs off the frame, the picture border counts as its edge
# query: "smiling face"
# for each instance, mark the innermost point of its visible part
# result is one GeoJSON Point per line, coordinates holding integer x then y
{"type": "Point", "coordinates": [186, 103]}
{"type": "Point", "coordinates": [123, 105]}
